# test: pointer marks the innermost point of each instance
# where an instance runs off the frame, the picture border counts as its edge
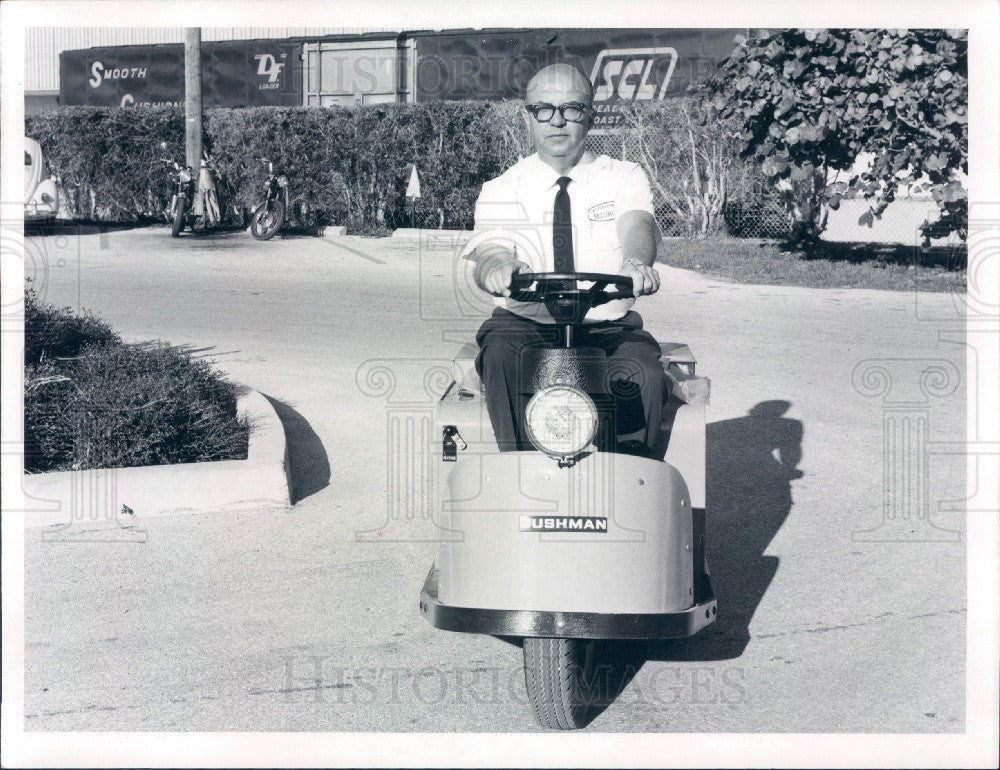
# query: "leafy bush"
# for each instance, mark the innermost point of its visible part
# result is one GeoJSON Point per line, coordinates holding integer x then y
{"type": "Point", "coordinates": [811, 102]}
{"type": "Point", "coordinates": [93, 402]}
{"type": "Point", "coordinates": [350, 164]}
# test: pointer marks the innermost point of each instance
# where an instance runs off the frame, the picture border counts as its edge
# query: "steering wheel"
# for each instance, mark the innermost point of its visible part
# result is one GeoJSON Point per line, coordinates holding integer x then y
{"type": "Point", "coordinates": [565, 300]}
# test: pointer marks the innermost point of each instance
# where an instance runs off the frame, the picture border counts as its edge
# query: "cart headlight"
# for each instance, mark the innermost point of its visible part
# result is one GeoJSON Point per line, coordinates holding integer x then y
{"type": "Point", "coordinates": [561, 421]}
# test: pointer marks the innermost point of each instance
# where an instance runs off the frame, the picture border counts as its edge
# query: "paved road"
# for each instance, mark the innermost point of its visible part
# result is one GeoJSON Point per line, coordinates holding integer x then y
{"type": "Point", "coordinates": [307, 619]}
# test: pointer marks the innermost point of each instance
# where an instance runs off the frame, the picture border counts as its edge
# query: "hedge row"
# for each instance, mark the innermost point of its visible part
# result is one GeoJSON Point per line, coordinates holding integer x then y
{"type": "Point", "coordinates": [351, 164]}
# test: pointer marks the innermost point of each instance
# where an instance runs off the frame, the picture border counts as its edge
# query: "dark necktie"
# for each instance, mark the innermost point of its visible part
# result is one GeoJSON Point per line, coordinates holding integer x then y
{"type": "Point", "coordinates": [562, 229]}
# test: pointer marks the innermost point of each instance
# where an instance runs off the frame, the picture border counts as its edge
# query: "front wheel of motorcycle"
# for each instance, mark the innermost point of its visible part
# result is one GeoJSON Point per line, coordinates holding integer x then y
{"type": "Point", "coordinates": [180, 209]}
{"type": "Point", "coordinates": [560, 676]}
{"type": "Point", "coordinates": [267, 220]}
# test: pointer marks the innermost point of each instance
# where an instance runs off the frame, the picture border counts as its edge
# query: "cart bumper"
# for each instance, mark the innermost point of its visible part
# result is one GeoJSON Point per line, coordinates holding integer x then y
{"type": "Point", "coordinates": [574, 625]}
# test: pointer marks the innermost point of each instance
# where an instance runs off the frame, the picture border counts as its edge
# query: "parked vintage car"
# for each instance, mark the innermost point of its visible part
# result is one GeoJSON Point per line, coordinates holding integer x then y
{"type": "Point", "coordinates": [41, 197]}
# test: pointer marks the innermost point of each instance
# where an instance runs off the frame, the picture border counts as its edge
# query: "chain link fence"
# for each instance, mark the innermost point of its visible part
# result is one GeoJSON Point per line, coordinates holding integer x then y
{"type": "Point", "coordinates": [756, 210]}
{"type": "Point", "coordinates": [759, 215]}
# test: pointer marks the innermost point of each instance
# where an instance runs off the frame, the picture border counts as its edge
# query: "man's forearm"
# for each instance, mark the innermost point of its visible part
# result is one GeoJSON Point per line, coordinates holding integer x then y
{"type": "Point", "coordinates": [487, 258]}
{"type": "Point", "coordinates": [638, 235]}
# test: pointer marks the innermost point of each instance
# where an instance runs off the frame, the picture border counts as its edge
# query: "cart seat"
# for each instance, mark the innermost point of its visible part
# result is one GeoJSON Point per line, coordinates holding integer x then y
{"type": "Point", "coordinates": [679, 363]}
{"type": "Point", "coordinates": [678, 353]}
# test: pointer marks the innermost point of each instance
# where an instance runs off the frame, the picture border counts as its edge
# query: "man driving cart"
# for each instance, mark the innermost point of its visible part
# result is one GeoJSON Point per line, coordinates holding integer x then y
{"type": "Point", "coordinates": [586, 528]}
{"type": "Point", "coordinates": [566, 210]}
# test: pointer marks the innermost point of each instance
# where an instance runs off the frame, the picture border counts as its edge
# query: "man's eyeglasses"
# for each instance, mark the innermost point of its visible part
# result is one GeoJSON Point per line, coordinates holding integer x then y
{"type": "Point", "coordinates": [573, 112]}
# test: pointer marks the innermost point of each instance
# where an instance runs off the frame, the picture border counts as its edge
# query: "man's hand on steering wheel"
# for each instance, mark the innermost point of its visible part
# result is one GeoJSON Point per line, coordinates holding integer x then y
{"type": "Point", "coordinates": [497, 280]}
{"type": "Point", "coordinates": [645, 279]}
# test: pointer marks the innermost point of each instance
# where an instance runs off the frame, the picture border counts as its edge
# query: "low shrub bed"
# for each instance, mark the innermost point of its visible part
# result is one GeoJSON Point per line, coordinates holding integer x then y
{"type": "Point", "coordinates": [92, 401]}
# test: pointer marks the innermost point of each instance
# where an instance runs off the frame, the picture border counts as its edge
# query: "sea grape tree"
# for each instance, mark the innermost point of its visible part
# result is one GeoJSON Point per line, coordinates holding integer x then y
{"type": "Point", "coordinates": [811, 101]}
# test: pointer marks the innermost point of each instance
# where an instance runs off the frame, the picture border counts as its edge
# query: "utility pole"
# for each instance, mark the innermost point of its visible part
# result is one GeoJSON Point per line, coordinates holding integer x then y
{"type": "Point", "coordinates": [192, 106]}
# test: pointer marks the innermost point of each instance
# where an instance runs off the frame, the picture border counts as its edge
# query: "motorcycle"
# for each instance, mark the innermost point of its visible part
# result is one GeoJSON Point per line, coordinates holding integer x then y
{"type": "Point", "coordinates": [277, 208]}
{"type": "Point", "coordinates": [575, 545]}
{"type": "Point", "coordinates": [179, 201]}
{"type": "Point", "coordinates": [196, 207]}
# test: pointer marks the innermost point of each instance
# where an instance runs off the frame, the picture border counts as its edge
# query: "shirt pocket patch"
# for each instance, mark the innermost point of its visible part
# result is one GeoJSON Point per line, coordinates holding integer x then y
{"type": "Point", "coordinates": [602, 212]}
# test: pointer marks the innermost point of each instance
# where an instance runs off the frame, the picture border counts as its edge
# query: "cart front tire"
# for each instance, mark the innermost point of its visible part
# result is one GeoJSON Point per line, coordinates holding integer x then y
{"type": "Point", "coordinates": [180, 209]}
{"type": "Point", "coordinates": [267, 220]}
{"type": "Point", "coordinates": [560, 676]}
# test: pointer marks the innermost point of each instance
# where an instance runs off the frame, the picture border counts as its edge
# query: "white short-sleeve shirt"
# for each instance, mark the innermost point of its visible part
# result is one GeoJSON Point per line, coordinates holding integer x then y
{"type": "Point", "coordinates": [515, 210]}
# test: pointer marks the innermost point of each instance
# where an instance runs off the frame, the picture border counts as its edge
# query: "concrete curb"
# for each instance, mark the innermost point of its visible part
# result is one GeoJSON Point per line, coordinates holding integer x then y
{"type": "Point", "coordinates": [433, 236]}
{"type": "Point", "coordinates": [452, 239]}
{"type": "Point", "coordinates": [429, 236]}
{"type": "Point", "coordinates": [72, 498]}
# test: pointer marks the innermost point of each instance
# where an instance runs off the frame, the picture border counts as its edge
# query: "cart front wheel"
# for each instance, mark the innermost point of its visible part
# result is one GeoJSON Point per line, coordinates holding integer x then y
{"type": "Point", "coordinates": [560, 677]}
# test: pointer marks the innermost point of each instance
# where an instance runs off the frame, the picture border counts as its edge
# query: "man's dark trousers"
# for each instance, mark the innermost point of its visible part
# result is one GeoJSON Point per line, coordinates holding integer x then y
{"type": "Point", "coordinates": [637, 387]}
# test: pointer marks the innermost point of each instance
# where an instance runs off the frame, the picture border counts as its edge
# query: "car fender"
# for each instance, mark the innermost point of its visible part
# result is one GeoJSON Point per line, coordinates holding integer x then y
{"type": "Point", "coordinates": [38, 208]}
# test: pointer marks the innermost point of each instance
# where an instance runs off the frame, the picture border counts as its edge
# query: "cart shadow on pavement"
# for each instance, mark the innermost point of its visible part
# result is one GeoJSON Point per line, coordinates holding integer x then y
{"type": "Point", "coordinates": [751, 462]}
{"type": "Point", "coordinates": [308, 464]}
